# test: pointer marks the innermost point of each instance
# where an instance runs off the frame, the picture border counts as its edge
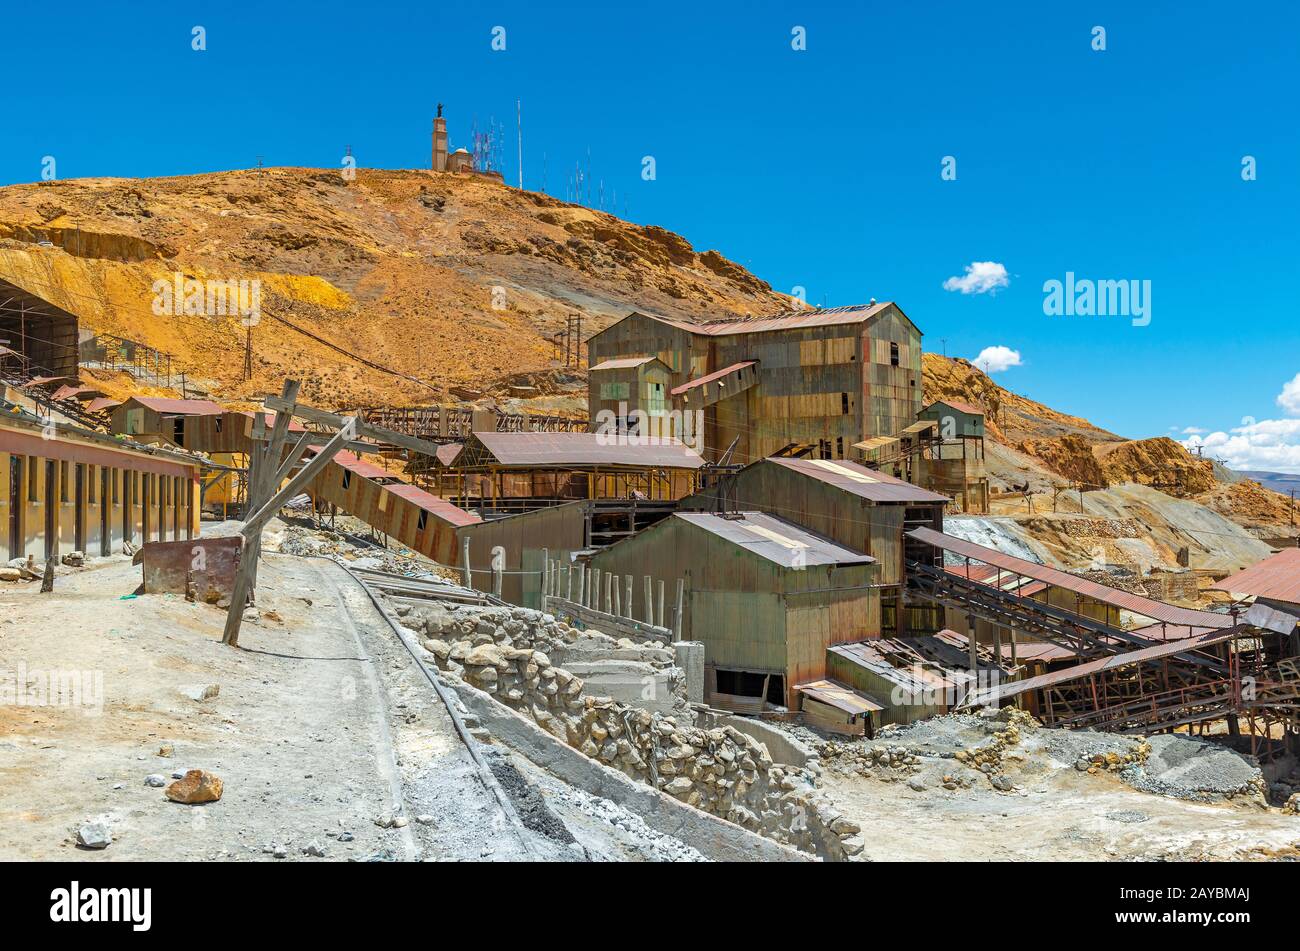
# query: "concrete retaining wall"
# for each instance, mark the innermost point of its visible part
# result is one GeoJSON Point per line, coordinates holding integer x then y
{"type": "Point", "coordinates": [783, 747]}
{"type": "Point", "coordinates": [713, 838]}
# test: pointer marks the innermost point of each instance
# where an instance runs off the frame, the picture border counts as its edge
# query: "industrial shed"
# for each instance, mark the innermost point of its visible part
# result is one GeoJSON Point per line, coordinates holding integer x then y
{"type": "Point", "coordinates": [859, 508]}
{"type": "Point", "coordinates": [765, 596]}
{"type": "Point", "coordinates": [814, 381]}
{"type": "Point", "coordinates": [519, 471]}
{"type": "Point", "coordinates": [64, 489]}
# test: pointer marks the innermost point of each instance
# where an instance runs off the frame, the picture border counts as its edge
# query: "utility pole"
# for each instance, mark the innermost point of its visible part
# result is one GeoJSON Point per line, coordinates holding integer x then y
{"type": "Point", "coordinates": [248, 353]}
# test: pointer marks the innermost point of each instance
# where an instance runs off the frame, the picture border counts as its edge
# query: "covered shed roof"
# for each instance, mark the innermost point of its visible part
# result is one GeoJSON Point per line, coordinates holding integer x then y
{"type": "Point", "coordinates": [710, 377]}
{"type": "Point", "coordinates": [839, 696]}
{"type": "Point", "coordinates": [172, 407]}
{"type": "Point", "coordinates": [1146, 607]}
{"type": "Point", "coordinates": [858, 480]}
{"type": "Point", "coordinates": [789, 320]}
{"type": "Point", "coordinates": [775, 539]}
{"type": "Point", "coordinates": [623, 363]}
{"type": "Point", "coordinates": [1276, 578]}
{"type": "Point", "coordinates": [588, 449]}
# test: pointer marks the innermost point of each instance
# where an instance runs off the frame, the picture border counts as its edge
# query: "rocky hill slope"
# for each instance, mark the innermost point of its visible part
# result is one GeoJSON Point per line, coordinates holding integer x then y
{"type": "Point", "coordinates": [454, 280]}
{"type": "Point", "coordinates": [407, 286]}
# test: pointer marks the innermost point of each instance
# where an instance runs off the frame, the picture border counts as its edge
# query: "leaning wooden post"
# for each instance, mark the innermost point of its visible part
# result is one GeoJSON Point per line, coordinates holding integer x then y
{"type": "Point", "coordinates": [593, 588]}
{"type": "Point", "coordinates": [615, 608]}
{"type": "Point", "coordinates": [464, 561]}
{"type": "Point", "coordinates": [609, 592]}
{"type": "Point", "coordinates": [649, 601]}
{"type": "Point", "coordinates": [628, 602]}
{"type": "Point", "coordinates": [568, 582]}
{"type": "Point", "coordinates": [252, 530]}
{"type": "Point", "coordinates": [582, 578]}
{"type": "Point", "coordinates": [661, 620]}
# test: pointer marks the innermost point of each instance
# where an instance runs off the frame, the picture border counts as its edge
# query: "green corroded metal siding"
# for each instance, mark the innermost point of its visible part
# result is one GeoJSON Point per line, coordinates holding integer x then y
{"type": "Point", "coordinates": [751, 613]}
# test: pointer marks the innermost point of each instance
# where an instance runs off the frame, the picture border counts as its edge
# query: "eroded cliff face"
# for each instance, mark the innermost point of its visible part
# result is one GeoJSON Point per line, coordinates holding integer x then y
{"type": "Point", "coordinates": [450, 279]}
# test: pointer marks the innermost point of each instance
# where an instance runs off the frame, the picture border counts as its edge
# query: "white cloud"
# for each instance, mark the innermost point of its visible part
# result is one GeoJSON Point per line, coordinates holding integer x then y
{"type": "Point", "coordinates": [981, 277]}
{"type": "Point", "coordinates": [1269, 444]}
{"type": "Point", "coordinates": [1289, 398]}
{"type": "Point", "coordinates": [996, 359]}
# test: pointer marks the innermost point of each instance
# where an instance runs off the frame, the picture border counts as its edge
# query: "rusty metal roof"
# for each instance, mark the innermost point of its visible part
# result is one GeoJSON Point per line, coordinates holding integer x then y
{"type": "Point", "coordinates": [1113, 662]}
{"type": "Point", "coordinates": [804, 317]}
{"type": "Point", "coordinates": [179, 407]}
{"type": "Point", "coordinates": [710, 377]}
{"type": "Point", "coordinates": [625, 363]}
{"type": "Point", "coordinates": [404, 490]}
{"type": "Point", "coordinates": [958, 405]}
{"type": "Point", "coordinates": [859, 480]}
{"type": "Point", "coordinates": [839, 696]}
{"type": "Point", "coordinates": [775, 539]}
{"type": "Point", "coordinates": [588, 449]}
{"type": "Point", "coordinates": [1276, 578]}
{"type": "Point", "coordinates": [1146, 607]}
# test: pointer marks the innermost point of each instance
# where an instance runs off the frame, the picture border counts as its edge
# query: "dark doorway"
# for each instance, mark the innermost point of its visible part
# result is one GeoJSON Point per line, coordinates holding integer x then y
{"type": "Point", "coordinates": [51, 509]}
{"type": "Point", "coordinates": [144, 507]}
{"type": "Point", "coordinates": [105, 508]}
{"type": "Point", "coordinates": [79, 510]}
{"type": "Point", "coordinates": [15, 506]}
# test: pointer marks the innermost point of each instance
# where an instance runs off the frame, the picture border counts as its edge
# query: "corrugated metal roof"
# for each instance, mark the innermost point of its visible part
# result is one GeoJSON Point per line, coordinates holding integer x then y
{"type": "Point", "coordinates": [839, 696]}
{"type": "Point", "coordinates": [958, 405]}
{"type": "Point", "coordinates": [710, 377]}
{"type": "Point", "coordinates": [859, 480]}
{"type": "Point", "coordinates": [433, 504]}
{"type": "Point", "coordinates": [1277, 578]}
{"type": "Point", "coordinates": [1157, 610]}
{"type": "Point", "coordinates": [625, 363]}
{"type": "Point", "coordinates": [179, 407]}
{"type": "Point", "coordinates": [1113, 662]}
{"type": "Point", "coordinates": [921, 426]}
{"type": "Point", "coordinates": [921, 674]}
{"type": "Point", "coordinates": [404, 490]}
{"type": "Point", "coordinates": [588, 449]}
{"type": "Point", "coordinates": [875, 442]}
{"type": "Point", "coordinates": [806, 317]}
{"type": "Point", "coordinates": [447, 453]}
{"type": "Point", "coordinates": [775, 539]}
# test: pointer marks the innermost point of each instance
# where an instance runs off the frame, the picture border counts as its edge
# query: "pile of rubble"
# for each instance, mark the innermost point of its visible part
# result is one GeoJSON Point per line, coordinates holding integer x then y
{"type": "Point", "coordinates": [504, 652]}
{"type": "Point", "coordinates": [892, 762]}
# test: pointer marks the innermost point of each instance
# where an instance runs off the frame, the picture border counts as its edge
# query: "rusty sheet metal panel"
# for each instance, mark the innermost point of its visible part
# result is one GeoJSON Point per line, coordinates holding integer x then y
{"type": "Point", "coordinates": [209, 563]}
{"type": "Point", "coordinates": [1276, 578]}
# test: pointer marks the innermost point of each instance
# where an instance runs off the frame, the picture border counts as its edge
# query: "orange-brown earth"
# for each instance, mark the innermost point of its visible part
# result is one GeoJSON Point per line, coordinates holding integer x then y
{"type": "Point", "coordinates": [397, 267]}
{"type": "Point", "coordinates": [397, 285]}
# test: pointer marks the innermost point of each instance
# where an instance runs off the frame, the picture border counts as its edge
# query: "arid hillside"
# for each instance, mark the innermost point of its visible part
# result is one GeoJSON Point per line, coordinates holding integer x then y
{"type": "Point", "coordinates": [452, 280]}
{"type": "Point", "coordinates": [408, 287]}
{"type": "Point", "coordinates": [1035, 446]}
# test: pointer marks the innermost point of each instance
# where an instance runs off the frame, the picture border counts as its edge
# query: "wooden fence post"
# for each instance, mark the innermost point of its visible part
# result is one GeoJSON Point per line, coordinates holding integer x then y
{"type": "Point", "coordinates": [628, 589]}
{"type": "Point", "coordinates": [661, 603]}
{"type": "Point", "coordinates": [649, 601]}
{"type": "Point", "coordinates": [464, 561]}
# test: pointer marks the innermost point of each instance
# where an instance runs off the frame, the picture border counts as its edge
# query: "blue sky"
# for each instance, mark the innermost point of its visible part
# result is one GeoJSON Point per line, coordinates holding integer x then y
{"type": "Point", "coordinates": [817, 168]}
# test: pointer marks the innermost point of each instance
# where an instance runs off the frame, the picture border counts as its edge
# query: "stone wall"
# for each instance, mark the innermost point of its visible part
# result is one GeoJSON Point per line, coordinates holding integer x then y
{"type": "Point", "coordinates": [505, 652]}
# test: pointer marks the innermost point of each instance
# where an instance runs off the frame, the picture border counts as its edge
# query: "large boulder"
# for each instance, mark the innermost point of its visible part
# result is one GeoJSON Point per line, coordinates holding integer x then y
{"type": "Point", "coordinates": [196, 786]}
